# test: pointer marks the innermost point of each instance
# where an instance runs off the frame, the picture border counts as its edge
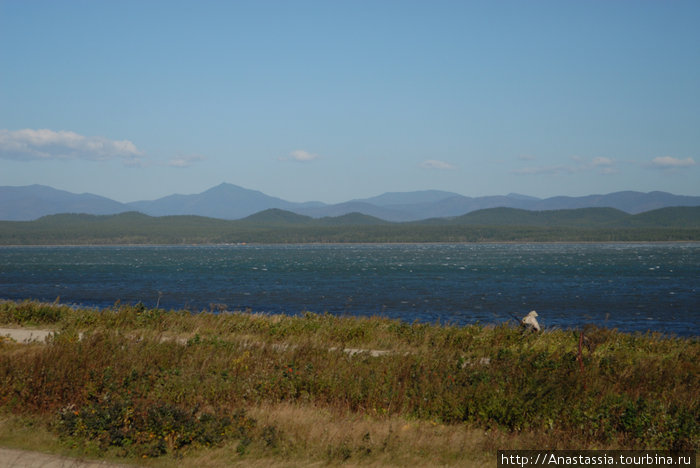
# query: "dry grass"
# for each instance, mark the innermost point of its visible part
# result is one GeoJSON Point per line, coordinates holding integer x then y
{"type": "Point", "coordinates": [218, 389]}
{"type": "Point", "coordinates": [311, 436]}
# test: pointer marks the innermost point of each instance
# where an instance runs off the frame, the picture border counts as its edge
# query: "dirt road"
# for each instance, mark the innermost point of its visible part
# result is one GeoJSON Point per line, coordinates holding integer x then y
{"type": "Point", "coordinates": [25, 335]}
{"type": "Point", "coordinates": [11, 458]}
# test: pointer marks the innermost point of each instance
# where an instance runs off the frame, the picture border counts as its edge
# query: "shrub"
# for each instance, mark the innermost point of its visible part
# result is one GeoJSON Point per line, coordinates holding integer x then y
{"type": "Point", "coordinates": [150, 429]}
{"type": "Point", "coordinates": [128, 379]}
{"type": "Point", "coordinates": [30, 312]}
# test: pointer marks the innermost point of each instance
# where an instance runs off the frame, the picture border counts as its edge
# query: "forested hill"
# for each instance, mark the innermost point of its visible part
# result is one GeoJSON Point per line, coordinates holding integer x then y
{"type": "Point", "coordinates": [279, 226]}
{"type": "Point", "coordinates": [676, 217]}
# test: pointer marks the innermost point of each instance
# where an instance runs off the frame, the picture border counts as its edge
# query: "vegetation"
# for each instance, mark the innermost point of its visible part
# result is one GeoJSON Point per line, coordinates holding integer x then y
{"type": "Point", "coordinates": [226, 387]}
{"type": "Point", "coordinates": [278, 226]}
{"type": "Point", "coordinates": [601, 218]}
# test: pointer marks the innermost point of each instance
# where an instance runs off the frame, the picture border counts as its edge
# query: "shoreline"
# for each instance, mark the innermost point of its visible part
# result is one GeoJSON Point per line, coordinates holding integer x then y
{"type": "Point", "coordinates": [281, 244]}
{"type": "Point", "coordinates": [250, 312]}
{"type": "Point", "coordinates": [456, 284]}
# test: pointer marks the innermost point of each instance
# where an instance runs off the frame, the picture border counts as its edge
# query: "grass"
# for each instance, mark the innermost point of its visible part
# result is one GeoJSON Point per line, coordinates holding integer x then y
{"type": "Point", "coordinates": [210, 389]}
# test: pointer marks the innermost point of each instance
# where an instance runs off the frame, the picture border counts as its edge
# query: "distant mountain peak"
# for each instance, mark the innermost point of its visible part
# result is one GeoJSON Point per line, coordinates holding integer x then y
{"type": "Point", "coordinates": [30, 202]}
{"type": "Point", "coordinates": [230, 201]}
{"type": "Point", "coordinates": [228, 187]}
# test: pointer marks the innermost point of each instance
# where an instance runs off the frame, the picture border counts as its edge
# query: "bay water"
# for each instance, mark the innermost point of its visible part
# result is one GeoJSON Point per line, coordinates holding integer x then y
{"type": "Point", "coordinates": [632, 287]}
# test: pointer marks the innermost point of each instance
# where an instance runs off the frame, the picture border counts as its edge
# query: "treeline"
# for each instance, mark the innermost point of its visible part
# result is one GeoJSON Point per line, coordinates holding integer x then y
{"type": "Point", "coordinates": [137, 228]}
{"type": "Point", "coordinates": [344, 234]}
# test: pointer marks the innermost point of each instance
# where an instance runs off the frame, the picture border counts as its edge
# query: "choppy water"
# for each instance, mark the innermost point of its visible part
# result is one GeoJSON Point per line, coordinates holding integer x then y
{"type": "Point", "coordinates": [633, 287]}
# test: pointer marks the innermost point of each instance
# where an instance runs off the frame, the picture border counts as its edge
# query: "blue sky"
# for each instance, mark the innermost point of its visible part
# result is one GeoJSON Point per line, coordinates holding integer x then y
{"type": "Point", "coordinates": [334, 100]}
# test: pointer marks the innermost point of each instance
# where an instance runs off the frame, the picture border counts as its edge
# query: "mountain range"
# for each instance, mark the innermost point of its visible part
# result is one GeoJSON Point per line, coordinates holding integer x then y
{"type": "Point", "coordinates": [228, 201]}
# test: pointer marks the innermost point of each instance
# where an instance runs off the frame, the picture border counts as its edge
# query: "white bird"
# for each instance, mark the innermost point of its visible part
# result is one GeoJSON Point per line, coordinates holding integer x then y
{"type": "Point", "coordinates": [529, 321]}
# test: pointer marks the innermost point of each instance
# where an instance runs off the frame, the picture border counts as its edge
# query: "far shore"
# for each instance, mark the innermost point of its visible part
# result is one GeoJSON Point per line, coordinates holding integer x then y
{"type": "Point", "coordinates": [282, 244]}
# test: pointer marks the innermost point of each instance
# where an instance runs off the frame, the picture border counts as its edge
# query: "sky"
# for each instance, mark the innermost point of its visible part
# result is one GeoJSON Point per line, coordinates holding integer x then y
{"type": "Point", "coordinates": [344, 99]}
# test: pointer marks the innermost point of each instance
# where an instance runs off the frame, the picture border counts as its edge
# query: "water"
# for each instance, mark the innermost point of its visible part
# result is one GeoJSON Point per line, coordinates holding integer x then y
{"type": "Point", "coordinates": [632, 287]}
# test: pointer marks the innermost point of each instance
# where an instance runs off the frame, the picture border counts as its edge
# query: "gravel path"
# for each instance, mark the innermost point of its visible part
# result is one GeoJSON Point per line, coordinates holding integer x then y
{"type": "Point", "coordinates": [29, 335]}
{"type": "Point", "coordinates": [25, 335]}
{"type": "Point", "coordinates": [11, 458]}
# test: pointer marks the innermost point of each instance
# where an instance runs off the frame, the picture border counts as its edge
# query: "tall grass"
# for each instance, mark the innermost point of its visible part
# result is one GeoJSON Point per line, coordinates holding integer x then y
{"type": "Point", "coordinates": [148, 382]}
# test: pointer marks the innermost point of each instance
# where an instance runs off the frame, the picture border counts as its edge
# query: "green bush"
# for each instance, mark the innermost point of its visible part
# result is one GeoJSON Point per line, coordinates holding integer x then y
{"type": "Point", "coordinates": [31, 313]}
{"type": "Point", "coordinates": [150, 429]}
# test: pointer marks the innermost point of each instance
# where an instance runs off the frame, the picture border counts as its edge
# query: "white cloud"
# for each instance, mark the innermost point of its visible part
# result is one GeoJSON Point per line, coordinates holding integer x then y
{"type": "Point", "coordinates": [435, 164]}
{"type": "Point", "coordinates": [44, 144]}
{"type": "Point", "coordinates": [669, 162]}
{"type": "Point", "coordinates": [185, 161]}
{"type": "Point", "coordinates": [300, 156]}
{"type": "Point", "coordinates": [605, 166]}
{"type": "Point", "coordinates": [600, 161]}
